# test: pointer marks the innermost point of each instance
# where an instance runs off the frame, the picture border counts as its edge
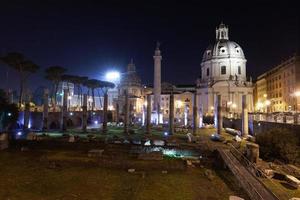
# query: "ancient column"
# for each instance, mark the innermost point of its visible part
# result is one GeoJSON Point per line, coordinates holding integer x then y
{"type": "Point", "coordinates": [45, 109]}
{"type": "Point", "coordinates": [104, 126]}
{"type": "Point", "coordinates": [284, 118]}
{"type": "Point", "coordinates": [296, 118]}
{"type": "Point", "coordinates": [195, 114]}
{"type": "Point", "coordinates": [157, 80]}
{"type": "Point", "coordinates": [148, 118]}
{"type": "Point", "coordinates": [201, 117]}
{"type": "Point", "coordinates": [117, 113]}
{"type": "Point", "coordinates": [64, 111]}
{"type": "Point", "coordinates": [171, 114]}
{"type": "Point", "coordinates": [27, 112]}
{"type": "Point", "coordinates": [245, 125]}
{"type": "Point", "coordinates": [126, 117]}
{"type": "Point", "coordinates": [218, 113]}
{"type": "Point", "coordinates": [84, 113]}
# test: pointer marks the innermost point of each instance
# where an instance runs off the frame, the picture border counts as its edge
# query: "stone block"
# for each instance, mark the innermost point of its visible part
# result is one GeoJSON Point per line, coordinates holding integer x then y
{"type": "Point", "coordinates": [95, 153]}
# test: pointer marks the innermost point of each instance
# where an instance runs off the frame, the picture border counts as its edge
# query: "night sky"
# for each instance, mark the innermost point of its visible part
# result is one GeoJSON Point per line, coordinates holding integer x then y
{"type": "Point", "coordinates": [90, 38]}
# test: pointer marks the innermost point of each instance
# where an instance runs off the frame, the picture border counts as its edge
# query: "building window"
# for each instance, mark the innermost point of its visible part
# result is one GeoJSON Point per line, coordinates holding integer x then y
{"type": "Point", "coordinates": [239, 70]}
{"type": "Point", "coordinates": [223, 70]}
{"type": "Point", "coordinates": [207, 72]}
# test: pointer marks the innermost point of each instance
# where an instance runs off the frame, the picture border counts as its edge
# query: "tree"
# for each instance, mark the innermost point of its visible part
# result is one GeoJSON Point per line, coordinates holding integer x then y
{"type": "Point", "coordinates": [8, 112]}
{"type": "Point", "coordinates": [23, 66]}
{"type": "Point", "coordinates": [54, 74]}
{"type": "Point", "coordinates": [92, 84]}
{"type": "Point", "coordinates": [280, 144]}
{"type": "Point", "coordinates": [78, 82]}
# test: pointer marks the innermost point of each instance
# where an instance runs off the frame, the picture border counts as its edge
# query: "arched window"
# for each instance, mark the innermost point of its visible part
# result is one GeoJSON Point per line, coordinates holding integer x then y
{"type": "Point", "coordinates": [207, 72]}
{"type": "Point", "coordinates": [239, 70]}
{"type": "Point", "coordinates": [223, 70]}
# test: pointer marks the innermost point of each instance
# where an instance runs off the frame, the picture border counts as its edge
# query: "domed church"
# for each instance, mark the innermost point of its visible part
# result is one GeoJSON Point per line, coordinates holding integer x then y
{"type": "Point", "coordinates": [223, 72]}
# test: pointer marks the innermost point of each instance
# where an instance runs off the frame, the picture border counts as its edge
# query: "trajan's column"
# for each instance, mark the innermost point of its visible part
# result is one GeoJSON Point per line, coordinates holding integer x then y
{"type": "Point", "coordinates": [157, 80]}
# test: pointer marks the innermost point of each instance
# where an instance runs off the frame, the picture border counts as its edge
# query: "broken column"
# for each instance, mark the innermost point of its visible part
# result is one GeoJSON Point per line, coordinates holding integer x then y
{"type": "Point", "coordinates": [245, 125]}
{"type": "Point", "coordinates": [218, 115]}
{"type": "Point", "coordinates": [104, 127]}
{"type": "Point", "coordinates": [252, 152]}
{"type": "Point", "coordinates": [126, 117]}
{"type": "Point", "coordinates": [84, 113]}
{"type": "Point", "coordinates": [27, 112]}
{"type": "Point", "coordinates": [45, 109]}
{"type": "Point", "coordinates": [195, 114]}
{"type": "Point", "coordinates": [171, 114]}
{"type": "Point", "coordinates": [64, 111]}
{"type": "Point", "coordinates": [148, 118]}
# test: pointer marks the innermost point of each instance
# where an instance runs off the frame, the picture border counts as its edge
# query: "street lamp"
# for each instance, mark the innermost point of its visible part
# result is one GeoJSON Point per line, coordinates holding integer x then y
{"type": "Point", "coordinates": [113, 76]}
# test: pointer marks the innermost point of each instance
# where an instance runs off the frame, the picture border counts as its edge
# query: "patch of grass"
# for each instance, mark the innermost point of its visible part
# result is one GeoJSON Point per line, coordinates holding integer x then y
{"type": "Point", "coordinates": [24, 176]}
{"type": "Point", "coordinates": [280, 189]}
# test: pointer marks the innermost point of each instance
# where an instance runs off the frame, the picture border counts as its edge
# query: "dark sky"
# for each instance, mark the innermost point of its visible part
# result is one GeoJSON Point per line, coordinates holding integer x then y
{"type": "Point", "coordinates": [89, 38]}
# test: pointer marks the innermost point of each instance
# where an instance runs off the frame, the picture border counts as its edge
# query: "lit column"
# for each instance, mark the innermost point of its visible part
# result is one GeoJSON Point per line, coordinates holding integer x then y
{"type": "Point", "coordinates": [218, 115]}
{"type": "Point", "coordinates": [84, 113]}
{"type": "Point", "coordinates": [45, 109]}
{"type": "Point", "coordinates": [245, 122]}
{"type": "Point", "coordinates": [157, 80]}
{"type": "Point", "coordinates": [27, 112]}
{"type": "Point", "coordinates": [201, 116]}
{"type": "Point", "coordinates": [105, 103]}
{"type": "Point", "coordinates": [195, 114]}
{"type": "Point", "coordinates": [117, 113]}
{"type": "Point", "coordinates": [148, 124]}
{"type": "Point", "coordinates": [126, 118]}
{"type": "Point", "coordinates": [171, 114]}
{"type": "Point", "coordinates": [64, 111]}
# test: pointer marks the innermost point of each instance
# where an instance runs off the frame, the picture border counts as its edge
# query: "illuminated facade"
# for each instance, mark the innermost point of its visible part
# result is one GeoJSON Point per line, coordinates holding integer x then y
{"type": "Point", "coordinates": [223, 72]}
{"type": "Point", "coordinates": [279, 87]}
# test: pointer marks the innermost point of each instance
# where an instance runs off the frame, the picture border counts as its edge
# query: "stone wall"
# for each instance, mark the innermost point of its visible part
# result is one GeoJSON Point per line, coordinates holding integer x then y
{"type": "Point", "coordinates": [257, 127]}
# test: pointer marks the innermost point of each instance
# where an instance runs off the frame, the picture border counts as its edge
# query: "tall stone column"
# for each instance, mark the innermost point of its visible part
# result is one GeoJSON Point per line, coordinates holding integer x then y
{"type": "Point", "coordinates": [126, 117]}
{"type": "Point", "coordinates": [148, 118]}
{"type": "Point", "coordinates": [27, 112]}
{"type": "Point", "coordinates": [84, 113]}
{"type": "Point", "coordinates": [105, 103]}
{"type": "Point", "coordinates": [195, 114]}
{"type": "Point", "coordinates": [171, 114]}
{"type": "Point", "coordinates": [64, 111]}
{"type": "Point", "coordinates": [45, 109]}
{"type": "Point", "coordinates": [157, 79]}
{"type": "Point", "coordinates": [201, 116]}
{"type": "Point", "coordinates": [218, 115]}
{"type": "Point", "coordinates": [245, 122]}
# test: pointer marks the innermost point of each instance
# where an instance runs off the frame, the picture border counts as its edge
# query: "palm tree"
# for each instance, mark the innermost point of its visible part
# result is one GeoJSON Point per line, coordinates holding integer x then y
{"type": "Point", "coordinates": [54, 74]}
{"type": "Point", "coordinates": [78, 82]}
{"type": "Point", "coordinates": [23, 66]}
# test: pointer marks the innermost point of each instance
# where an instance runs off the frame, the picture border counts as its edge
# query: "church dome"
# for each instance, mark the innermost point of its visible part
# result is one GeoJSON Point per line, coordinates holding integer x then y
{"type": "Point", "coordinates": [223, 47]}
{"type": "Point", "coordinates": [131, 78]}
{"type": "Point", "coordinates": [224, 60]}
